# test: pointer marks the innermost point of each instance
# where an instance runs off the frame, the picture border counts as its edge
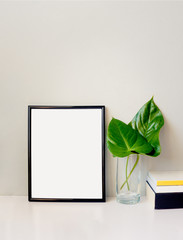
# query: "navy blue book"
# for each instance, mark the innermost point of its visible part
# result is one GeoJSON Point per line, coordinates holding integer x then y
{"type": "Point", "coordinates": [164, 200]}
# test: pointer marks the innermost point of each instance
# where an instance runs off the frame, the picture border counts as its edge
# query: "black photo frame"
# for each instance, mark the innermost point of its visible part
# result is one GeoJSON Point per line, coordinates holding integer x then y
{"type": "Point", "coordinates": [66, 153]}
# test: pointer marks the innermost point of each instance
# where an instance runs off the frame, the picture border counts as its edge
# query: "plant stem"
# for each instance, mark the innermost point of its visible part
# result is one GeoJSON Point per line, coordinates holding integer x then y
{"type": "Point", "coordinates": [130, 172]}
{"type": "Point", "coordinates": [127, 172]}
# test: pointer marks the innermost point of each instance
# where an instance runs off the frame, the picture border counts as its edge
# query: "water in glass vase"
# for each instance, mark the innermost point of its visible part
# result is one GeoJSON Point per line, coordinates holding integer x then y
{"type": "Point", "coordinates": [128, 179]}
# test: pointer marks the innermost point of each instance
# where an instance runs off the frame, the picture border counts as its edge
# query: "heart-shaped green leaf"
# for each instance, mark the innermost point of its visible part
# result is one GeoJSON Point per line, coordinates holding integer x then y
{"type": "Point", "coordinates": [148, 122]}
{"type": "Point", "coordinates": [123, 140]}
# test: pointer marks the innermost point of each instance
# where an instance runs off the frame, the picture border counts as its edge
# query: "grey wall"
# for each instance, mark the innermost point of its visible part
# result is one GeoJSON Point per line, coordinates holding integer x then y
{"type": "Point", "coordinates": [80, 53]}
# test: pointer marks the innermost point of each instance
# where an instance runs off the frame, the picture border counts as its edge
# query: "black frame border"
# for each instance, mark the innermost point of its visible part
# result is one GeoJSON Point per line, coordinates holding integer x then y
{"type": "Point", "coordinates": [30, 198]}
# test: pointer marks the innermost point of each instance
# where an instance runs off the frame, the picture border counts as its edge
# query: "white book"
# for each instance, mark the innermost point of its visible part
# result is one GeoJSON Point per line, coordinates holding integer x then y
{"type": "Point", "coordinates": [166, 178]}
{"type": "Point", "coordinates": [164, 189]}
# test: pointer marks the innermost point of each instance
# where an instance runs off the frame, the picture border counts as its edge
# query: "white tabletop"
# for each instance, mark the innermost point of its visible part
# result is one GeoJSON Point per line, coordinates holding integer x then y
{"type": "Point", "coordinates": [23, 220]}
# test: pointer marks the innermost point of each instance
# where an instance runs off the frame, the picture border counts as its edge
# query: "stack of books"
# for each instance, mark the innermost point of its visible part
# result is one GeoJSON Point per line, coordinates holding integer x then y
{"type": "Point", "coordinates": [165, 189]}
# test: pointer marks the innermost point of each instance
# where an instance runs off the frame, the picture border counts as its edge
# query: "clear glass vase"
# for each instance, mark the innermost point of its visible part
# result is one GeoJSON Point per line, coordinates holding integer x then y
{"type": "Point", "coordinates": [128, 179]}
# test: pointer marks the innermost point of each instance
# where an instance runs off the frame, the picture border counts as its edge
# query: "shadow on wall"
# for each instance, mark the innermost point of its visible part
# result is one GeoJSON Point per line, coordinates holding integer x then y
{"type": "Point", "coordinates": [171, 149]}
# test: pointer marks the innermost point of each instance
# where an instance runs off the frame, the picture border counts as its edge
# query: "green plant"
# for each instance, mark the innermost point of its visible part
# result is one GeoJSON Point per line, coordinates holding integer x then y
{"type": "Point", "coordinates": [140, 136]}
